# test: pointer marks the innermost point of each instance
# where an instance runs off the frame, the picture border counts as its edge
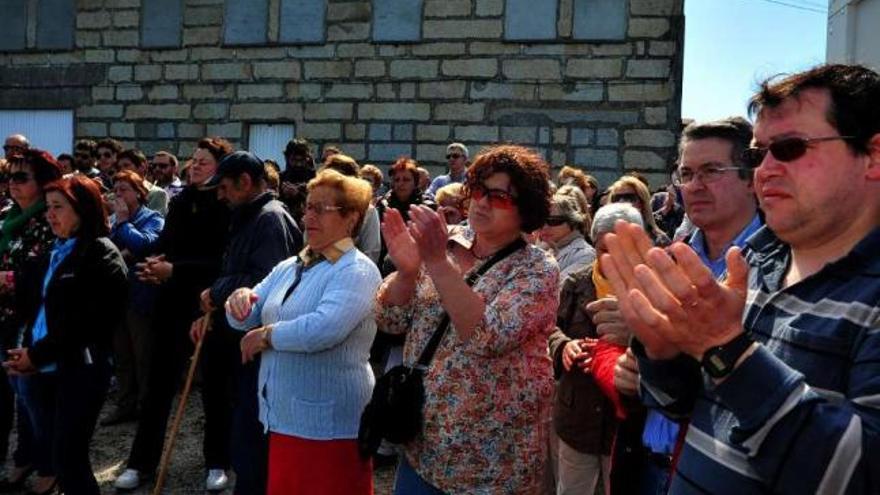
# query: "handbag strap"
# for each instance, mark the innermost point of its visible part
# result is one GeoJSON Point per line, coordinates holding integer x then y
{"type": "Point", "coordinates": [434, 343]}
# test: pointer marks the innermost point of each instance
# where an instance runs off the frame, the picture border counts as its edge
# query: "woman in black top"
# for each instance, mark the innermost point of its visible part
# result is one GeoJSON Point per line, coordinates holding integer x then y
{"type": "Point", "coordinates": [66, 335]}
{"type": "Point", "coordinates": [190, 251]}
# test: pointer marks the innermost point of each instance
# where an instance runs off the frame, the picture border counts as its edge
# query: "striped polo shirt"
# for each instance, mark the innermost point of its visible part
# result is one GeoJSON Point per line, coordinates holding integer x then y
{"type": "Point", "coordinates": [801, 414]}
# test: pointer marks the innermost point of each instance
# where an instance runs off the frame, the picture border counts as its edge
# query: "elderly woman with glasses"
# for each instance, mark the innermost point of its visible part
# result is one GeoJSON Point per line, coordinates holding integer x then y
{"type": "Point", "coordinates": [316, 324]}
{"type": "Point", "coordinates": [563, 234]}
{"type": "Point", "coordinates": [489, 384]}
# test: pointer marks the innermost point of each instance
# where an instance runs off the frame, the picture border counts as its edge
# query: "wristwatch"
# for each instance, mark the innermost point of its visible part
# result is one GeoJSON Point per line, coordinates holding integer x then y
{"type": "Point", "coordinates": [719, 361]}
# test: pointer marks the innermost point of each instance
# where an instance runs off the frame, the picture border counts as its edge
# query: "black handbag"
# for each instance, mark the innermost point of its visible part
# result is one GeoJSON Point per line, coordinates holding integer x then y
{"type": "Point", "coordinates": [395, 410]}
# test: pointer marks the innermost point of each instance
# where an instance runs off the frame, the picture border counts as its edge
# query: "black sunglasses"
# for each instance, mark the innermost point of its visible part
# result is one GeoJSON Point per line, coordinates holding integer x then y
{"type": "Point", "coordinates": [453, 155]}
{"type": "Point", "coordinates": [555, 221]}
{"type": "Point", "coordinates": [785, 149]}
{"type": "Point", "coordinates": [625, 198]}
{"type": "Point", "coordinates": [20, 177]}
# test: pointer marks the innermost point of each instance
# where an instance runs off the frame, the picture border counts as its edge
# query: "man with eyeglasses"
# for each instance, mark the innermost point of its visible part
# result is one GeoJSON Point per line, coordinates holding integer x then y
{"type": "Point", "coordinates": [163, 169]}
{"type": "Point", "coordinates": [779, 365]}
{"type": "Point", "coordinates": [716, 185]}
{"type": "Point", "coordinates": [719, 199]}
{"type": "Point", "coordinates": [456, 159]}
{"type": "Point", "coordinates": [15, 145]}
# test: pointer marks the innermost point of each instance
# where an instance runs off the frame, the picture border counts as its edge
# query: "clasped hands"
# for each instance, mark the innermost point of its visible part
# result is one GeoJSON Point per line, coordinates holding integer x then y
{"type": "Point", "coordinates": [669, 299]}
{"type": "Point", "coordinates": [154, 270]}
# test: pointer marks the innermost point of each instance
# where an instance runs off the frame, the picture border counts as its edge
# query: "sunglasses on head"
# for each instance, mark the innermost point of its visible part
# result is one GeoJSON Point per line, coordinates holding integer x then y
{"type": "Point", "coordinates": [498, 198]}
{"type": "Point", "coordinates": [625, 198]}
{"type": "Point", "coordinates": [785, 150]}
{"type": "Point", "coordinates": [19, 177]}
{"type": "Point", "coordinates": [453, 156]}
{"type": "Point", "coordinates": [555, 221]}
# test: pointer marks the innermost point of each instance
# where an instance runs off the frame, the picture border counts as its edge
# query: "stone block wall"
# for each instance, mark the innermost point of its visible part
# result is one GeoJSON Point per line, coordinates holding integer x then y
{"type": "Point", "coordinates": [605, 106]}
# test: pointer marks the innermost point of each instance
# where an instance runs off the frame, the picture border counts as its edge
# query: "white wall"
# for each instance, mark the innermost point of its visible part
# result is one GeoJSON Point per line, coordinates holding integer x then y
{"type": "Point", "coordinates": [854, 32]}
{"type": "Point", "coordinates": [50, 130]}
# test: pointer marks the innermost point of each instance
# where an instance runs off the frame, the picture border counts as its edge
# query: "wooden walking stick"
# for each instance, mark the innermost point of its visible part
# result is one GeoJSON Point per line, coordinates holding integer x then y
{"type": "Point", "coordinates": [178, 416]}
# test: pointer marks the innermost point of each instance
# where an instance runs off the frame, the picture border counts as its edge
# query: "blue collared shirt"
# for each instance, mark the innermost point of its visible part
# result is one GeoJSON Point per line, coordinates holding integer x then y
{"type": "Point", "coordinates": [62, 249]}
{"type": "Point", "coordinates": [719, 266]}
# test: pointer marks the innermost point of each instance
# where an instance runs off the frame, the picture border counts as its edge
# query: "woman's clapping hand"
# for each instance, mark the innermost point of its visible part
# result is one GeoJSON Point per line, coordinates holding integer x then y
{"type": "Point", "coordinates": [402, 247]}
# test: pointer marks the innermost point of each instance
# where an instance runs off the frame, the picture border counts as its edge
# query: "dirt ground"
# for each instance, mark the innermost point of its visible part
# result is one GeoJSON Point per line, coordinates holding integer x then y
{"type": "Point", "coordinates": [111, 444]}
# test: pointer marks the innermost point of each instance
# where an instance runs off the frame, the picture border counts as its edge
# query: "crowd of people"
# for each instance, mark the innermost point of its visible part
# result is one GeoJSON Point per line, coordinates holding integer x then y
{"type": "Point", "coordinates": [717, 336]}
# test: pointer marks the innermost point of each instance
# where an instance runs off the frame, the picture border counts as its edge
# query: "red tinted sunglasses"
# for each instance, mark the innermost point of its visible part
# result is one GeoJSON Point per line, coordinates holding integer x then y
{"type": "Point", "coordinates": [498, 198]}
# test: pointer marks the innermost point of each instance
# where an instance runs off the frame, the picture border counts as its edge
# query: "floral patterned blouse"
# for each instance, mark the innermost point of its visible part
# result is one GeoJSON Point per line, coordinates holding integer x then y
{"type": "Point", "coordinates": [485, 399]}
{"type": "Point", "coordinates": [34, 242]}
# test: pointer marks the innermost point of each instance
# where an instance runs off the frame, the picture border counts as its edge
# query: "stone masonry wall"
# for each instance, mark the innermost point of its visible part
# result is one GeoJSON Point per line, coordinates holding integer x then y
{"type": "Point", "coordinates": [603, 106]}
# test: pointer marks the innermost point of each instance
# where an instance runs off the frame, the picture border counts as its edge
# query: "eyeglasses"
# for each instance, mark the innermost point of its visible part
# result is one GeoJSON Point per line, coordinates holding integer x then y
{"type": "Point", "coordinates": [13, 147]}
{"type": "Point", "coordinates": [706, 175]}
{"type": "Point", "coordinates": [20, 177]}
{"type": "Point", "coordinates": [785, 149]}
{"type": "Point", "coordinates": [498, 198]}
{"type": "Point", "coordinates": [106, 154]}
{"type": "Point", "coordinates": [626, 198]}
{"type": "Point", "coordinates": [453, 156]}
{"type": "Point", "coordinates": [320, 208]}
{"type": "Point", "coordinates": [556, 221]}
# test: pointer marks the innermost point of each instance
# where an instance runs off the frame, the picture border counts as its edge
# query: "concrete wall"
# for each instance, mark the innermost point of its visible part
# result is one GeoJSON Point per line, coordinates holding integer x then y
{"type": "Point", "coordinates": [854, 32]}
{"type": "Point", "coordinates": [604, 105]}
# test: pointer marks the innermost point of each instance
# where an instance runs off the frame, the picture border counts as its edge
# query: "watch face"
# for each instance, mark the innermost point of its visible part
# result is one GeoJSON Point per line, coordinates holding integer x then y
{"type": "Point", "coordinates": [715, 366]}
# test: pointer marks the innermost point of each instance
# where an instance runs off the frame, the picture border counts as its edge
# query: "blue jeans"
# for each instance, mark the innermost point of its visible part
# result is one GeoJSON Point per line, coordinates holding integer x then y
{"type": "Point", "coordinates": [24, 449]}
{"type": "Point", "coordinates": [408, 482]}
{"type": "Point", "coordinates": [37, 394]}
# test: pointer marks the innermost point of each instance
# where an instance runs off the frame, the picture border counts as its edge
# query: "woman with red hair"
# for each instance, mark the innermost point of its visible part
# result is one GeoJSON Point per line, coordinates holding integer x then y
{"type": "Point", "coordinates": [404, 193]}
{"type": "Point", "coordinates": [65, 338]}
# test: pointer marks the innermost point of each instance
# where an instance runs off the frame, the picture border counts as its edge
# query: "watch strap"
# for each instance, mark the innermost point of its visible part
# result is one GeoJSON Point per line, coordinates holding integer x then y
{"type": "Point", "coordinates": [719, 361]}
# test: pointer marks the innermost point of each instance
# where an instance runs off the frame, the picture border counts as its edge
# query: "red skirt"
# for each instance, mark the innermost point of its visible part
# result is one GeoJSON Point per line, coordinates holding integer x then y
{"type": "Point", "coordinates": [317, 467]}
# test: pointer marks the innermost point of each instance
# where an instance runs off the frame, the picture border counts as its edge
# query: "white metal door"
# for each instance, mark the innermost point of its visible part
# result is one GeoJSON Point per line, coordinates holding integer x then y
{"type": "Point", "coordinates": [267, 141]}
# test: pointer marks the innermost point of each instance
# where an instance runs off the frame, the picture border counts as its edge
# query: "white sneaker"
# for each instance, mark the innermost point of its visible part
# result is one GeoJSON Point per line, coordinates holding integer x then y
{"type": "Point", "coordinates": [128, 480]}
{"type": "Point", "coordinates": [217, 480]}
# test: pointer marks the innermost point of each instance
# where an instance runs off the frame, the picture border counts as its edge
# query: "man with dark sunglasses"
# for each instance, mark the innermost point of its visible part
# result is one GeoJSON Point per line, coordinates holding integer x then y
{"type": "Point", "coordinates": [778, 367]}
{"type": "Point", "coordinates": [456, 159]}
{"type": "Point", "coordinates": [15, 145]}
{"type": "Point", "coordinates": [85, 159]}
{"type": "Point", "coordinates": [163, 168]}
{"type": "Point", "coordinates": [108, 154]}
